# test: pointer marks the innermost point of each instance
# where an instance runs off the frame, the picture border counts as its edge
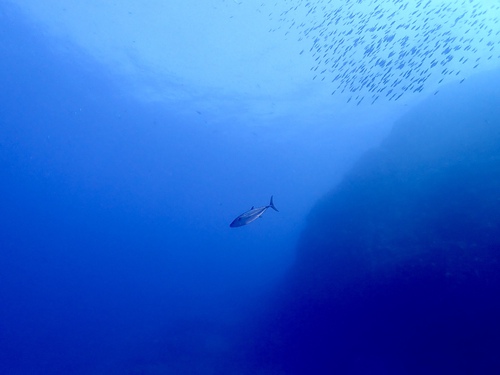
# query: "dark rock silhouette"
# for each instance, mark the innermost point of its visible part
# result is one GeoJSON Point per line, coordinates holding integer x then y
{"type": "Point", "coordinates": [398, 270]}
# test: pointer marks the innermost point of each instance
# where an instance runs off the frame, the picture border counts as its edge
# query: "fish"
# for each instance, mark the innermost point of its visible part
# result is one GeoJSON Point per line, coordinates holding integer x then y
{"type": "Point", "coordinates": [252, 215]}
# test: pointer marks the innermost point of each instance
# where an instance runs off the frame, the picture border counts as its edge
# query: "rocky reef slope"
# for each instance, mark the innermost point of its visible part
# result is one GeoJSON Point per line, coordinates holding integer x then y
{"type": "Point", "coordinates": [398, 270]}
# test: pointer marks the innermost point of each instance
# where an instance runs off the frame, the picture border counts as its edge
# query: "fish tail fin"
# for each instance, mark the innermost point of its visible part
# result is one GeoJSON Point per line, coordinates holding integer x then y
{"type": "Point", "coordinates": [271, 204]}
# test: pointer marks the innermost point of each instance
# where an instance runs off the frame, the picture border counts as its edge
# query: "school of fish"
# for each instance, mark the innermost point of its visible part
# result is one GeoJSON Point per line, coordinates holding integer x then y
{"type": "Point", "coordinates": [370, 50]}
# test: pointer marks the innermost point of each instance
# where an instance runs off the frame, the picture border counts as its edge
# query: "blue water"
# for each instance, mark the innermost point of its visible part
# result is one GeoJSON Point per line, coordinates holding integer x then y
{"type": "Point", "coordinates": [116, 255]}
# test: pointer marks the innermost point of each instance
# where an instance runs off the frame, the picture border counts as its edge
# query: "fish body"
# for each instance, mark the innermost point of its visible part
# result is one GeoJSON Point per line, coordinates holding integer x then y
{"type": "Point", "coordinates": [251, 215]}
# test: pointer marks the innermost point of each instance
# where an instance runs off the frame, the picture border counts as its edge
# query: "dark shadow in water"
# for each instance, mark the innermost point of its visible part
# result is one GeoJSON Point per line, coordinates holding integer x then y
{"type": "Point", "coordinates": [398, 270]}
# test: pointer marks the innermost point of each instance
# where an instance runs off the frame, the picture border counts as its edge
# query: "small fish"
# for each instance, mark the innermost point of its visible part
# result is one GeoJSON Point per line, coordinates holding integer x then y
{"type": "Point", "coordinates": [251, 215]}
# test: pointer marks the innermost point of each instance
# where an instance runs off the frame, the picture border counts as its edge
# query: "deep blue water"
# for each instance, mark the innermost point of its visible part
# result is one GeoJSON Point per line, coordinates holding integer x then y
{"type": "Point", "coordinates": [116, 255]}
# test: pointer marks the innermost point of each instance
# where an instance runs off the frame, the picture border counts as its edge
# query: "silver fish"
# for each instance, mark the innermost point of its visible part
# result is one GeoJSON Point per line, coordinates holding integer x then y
{"type": "Point", "coordinates": [251, 215]}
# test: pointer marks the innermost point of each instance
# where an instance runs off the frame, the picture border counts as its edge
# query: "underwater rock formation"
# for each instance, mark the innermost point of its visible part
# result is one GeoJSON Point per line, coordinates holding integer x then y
{"type": "Point", "coordinates": [398, 269]}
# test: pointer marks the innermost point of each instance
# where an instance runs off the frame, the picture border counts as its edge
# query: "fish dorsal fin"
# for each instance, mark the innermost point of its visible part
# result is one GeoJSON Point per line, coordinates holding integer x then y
{"type": "Point", "coordinates": [252, 207]}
